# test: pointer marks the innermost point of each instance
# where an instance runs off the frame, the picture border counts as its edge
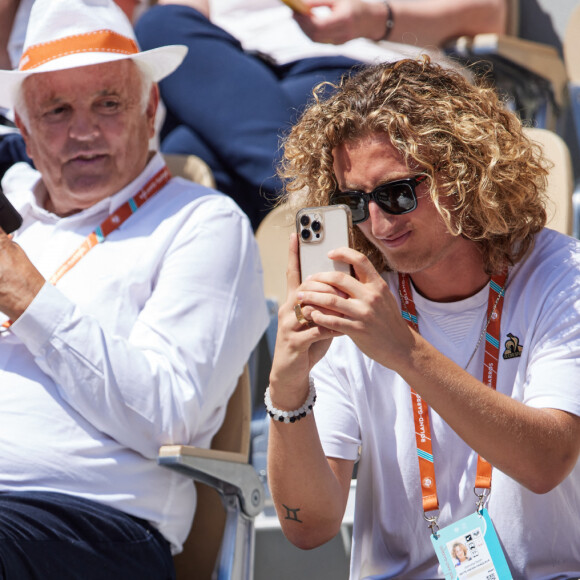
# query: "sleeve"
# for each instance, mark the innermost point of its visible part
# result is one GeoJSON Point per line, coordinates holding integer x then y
{"type": "Point", "coordinates": [170, 379]}
{"type": "Point", "coordinates": [553, 371]}
{"type": "Point", "coordinates": [335, 411]}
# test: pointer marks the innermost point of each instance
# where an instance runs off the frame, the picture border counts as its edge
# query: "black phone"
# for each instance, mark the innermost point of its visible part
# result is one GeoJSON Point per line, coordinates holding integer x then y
{"type": "Point", "coordinates": [10, 219]}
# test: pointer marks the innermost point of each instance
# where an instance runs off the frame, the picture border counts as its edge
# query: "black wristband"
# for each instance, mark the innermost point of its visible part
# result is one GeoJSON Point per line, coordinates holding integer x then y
{"type": "Point", "coordinates": [390, 21]}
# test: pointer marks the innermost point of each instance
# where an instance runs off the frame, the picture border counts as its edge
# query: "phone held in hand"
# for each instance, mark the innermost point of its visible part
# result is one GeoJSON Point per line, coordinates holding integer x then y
{"type": "Point", "coordinates": [298, 6]}
{"type": "Point", "coordinates": [10, 219]}
{"type": "Point", "coordinates": [321, 229]}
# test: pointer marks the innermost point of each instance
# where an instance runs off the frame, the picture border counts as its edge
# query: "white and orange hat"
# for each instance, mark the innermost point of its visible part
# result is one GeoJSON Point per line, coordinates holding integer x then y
{"type": "Point", "coordinates": [65, 34]}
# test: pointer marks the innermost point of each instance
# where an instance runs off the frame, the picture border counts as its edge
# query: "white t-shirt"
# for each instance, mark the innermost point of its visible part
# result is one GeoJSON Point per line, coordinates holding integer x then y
{"type": "Point", "coordinates": [361, 403]}
{"type": "Point", "coordinates": [267, 26]}
{"type": "Point", "coordinates": [139, 345]}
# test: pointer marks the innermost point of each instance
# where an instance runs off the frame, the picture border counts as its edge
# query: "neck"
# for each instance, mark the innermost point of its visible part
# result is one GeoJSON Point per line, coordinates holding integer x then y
{"type": "Point", "coordinates": [450, 282]}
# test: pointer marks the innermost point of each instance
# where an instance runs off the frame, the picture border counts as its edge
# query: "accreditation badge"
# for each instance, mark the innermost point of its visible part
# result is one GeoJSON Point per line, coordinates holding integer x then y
{"type": "Point", "coordinates": [470, 548]}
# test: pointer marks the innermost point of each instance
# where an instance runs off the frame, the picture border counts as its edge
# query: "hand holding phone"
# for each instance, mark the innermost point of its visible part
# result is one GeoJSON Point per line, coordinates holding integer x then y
{"type": "Point", "coordinates": [321, 229]}
{"type": "Point", "coordinates": [10, 219]}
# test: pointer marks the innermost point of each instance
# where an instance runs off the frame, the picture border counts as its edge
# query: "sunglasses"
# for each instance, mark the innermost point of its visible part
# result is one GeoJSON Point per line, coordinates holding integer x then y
{"type": "Point", "coordinates": [395, 197]}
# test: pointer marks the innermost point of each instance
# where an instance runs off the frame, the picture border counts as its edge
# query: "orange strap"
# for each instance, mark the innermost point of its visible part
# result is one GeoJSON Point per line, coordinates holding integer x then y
{"type": "Point", "coordinates": [491, 360]}
{"type": "Point", "coordinates": [97, 41]}
{"type": "Point", "coordinates": [421, 410]}
{"type": "Point", "coordinates": [114, 221]}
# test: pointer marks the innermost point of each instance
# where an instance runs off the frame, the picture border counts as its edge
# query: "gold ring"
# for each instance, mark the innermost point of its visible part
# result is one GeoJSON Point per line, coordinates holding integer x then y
{"type": "Point", "coordinates": [300, 315]}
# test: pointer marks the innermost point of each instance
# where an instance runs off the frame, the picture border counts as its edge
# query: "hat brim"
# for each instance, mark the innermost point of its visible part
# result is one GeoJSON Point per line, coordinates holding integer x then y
{"type": "Point", "coordinates": [160, 62]}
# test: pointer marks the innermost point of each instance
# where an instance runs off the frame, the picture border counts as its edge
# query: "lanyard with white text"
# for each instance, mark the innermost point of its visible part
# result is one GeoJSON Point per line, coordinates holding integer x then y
{"type": "Point", "coordinates": [421, 410]}
{"type": "Point", "coordinates": [113, 221]}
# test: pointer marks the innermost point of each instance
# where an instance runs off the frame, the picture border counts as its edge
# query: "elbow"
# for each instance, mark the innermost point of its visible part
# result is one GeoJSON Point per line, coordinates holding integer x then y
{"type": "Point", "coordinates": [310, 539]}
{"type": "Point", "coordinates": [546, 483]}
{"type": "Point", "coordinates": [546, 478]}
{"type": "Point", "coordinates": [542, 486]}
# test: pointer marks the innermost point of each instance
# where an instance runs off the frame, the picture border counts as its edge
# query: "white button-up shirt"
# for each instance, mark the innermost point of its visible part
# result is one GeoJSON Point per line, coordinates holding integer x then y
{"type": "Point", "coordinates": [139, 345]}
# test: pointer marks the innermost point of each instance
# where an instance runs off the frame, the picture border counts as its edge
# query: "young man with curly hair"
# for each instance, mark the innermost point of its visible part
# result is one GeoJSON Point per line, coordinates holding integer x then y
{"type": "Point", "coordinates": [448, 363]}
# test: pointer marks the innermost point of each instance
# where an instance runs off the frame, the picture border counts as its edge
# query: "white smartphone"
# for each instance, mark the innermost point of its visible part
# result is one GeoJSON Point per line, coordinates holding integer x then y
{"type": "Point", "coordinates": [321, 229]}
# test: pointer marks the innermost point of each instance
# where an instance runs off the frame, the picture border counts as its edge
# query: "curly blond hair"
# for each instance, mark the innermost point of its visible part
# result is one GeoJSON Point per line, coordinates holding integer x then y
{"type": "Point", "coordinates": [457, 131]}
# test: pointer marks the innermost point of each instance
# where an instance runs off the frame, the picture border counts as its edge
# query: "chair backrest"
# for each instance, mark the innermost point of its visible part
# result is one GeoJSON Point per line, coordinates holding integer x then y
{"type": "Point", "coordinates": [560, 180]}
{"type": "Point", "coordinates": [272, 237]}
{"type": "Point", "coordinates": [202, 546]}
{"type": "Point", "coordinates": [190, 167]}
{"type": "Point", "coordinates": [572, 61]}
{"type": "Point", "coordinates": [571, 46]}
{"type": "Point", "coordinates": [513, 17]}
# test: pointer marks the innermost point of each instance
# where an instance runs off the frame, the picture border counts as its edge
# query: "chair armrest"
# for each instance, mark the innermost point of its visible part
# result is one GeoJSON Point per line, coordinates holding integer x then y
{"type": "Point", "coordinates": [541, 59]}
{"type": "Point", "coordinates": [228, 472]}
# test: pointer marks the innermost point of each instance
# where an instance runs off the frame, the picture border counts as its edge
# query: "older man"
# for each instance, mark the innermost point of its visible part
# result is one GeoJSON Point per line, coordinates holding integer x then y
{"type": "Point", "coordinates": [131, 303]}
{"type": "Point", "coordinates": [455, 347]}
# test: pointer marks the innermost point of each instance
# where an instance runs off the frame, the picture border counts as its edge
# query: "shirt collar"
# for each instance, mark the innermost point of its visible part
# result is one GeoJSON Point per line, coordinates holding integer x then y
{"type": "Point", "coordinates": [32, 202]}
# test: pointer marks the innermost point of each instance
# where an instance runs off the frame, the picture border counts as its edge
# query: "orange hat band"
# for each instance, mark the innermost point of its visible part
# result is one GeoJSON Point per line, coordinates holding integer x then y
{"type": "Point", "coordinates": [98, 41]}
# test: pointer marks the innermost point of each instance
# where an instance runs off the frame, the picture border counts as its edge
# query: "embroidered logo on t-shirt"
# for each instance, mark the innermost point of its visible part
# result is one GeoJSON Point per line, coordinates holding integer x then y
{"type": "Point", "coordinates": [513, 348]}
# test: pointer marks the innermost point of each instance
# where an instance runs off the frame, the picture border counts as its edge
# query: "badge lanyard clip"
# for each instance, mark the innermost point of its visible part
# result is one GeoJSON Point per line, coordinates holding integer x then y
{"type": "Point", "coordinates": [482, 498]}
{"type": "Point", "coordinates": [432, 523]}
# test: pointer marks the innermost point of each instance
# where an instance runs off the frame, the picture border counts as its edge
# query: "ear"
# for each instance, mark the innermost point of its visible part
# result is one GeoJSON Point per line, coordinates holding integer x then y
{"type": "Point", "coordinates": [24, 132]}
{"type": "Point", "coordinates": [152, 108]}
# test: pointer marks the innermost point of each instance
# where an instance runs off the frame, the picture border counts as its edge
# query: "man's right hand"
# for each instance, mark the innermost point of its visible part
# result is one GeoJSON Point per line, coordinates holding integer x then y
{"type": "Point", "coordinates": [20, 281]}
{"type": "Point", "coordinates": [298, 346]}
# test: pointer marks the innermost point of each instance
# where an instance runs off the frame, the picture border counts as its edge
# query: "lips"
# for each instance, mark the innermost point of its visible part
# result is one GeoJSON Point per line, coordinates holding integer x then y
{"type": "Point", "coordinates": [396, 240]}
{"type": "Point", "coordinates": [87, 157]}
{"type": "Point", "coordinates": [87, 161]}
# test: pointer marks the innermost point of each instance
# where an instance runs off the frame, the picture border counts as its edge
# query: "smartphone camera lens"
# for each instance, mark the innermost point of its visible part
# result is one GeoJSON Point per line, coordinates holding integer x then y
{"type": "Point", "coordinates": [305, 234]}
{"type": "Point", "coordinates": [305, 220]}
{"type": "Point", "coordinates": [316, 226]}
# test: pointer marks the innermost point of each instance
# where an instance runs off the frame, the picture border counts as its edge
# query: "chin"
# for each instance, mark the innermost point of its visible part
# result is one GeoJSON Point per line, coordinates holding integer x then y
{"type": "Point", "coordinates": [94, 187]}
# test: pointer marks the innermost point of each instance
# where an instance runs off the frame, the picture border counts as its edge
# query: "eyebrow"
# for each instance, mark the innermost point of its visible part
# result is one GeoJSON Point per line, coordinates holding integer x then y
{"type": "Point", "coordinates": [349, 187]}
{"type": "Point", "coordinates": [57, 99]}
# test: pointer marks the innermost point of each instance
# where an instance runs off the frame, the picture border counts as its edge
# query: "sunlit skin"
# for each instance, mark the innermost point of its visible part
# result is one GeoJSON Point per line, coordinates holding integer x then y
{"type": "Point", "coordinates": [417, 243]}
{"type": "Point", "coordinates": [87, 132]}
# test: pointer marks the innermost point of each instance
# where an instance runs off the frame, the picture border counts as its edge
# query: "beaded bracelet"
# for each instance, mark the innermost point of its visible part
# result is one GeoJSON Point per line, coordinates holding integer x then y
{"type": "Point", "coordinates": [390, 22]}
{"type": "Point", "coordinates": [291, 416]}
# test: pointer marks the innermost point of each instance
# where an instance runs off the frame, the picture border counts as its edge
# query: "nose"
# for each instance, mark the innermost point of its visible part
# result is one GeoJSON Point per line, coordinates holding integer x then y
{"type": "Point", "coordinates": [83, 126]}
{"type": "Point", "coordinates": [381, 222]}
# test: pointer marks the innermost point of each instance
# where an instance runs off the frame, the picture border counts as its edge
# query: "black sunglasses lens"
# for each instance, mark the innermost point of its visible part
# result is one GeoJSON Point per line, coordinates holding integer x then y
{"type": "Point", "coordinates": [396, 198]}
{"type": "Point", "coordinates": [355, 202]}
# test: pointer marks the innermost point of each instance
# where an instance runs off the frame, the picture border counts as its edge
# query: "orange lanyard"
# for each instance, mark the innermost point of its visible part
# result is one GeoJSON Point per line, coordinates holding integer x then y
{"type": "Point", "coordinates": [113, 222]}
{"type": "Point", "coordinates": [420, 408]}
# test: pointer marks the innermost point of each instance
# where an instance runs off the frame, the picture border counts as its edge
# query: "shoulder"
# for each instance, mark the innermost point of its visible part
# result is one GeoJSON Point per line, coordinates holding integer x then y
{"type": "Point", "coordinates": [553, 247]}
{"type": "Point", "coordinates": [553, 260]}
{"type": "Point", "coordinates": [543, 289]}
{"type": "Point", "coordinates": [200, 204]}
